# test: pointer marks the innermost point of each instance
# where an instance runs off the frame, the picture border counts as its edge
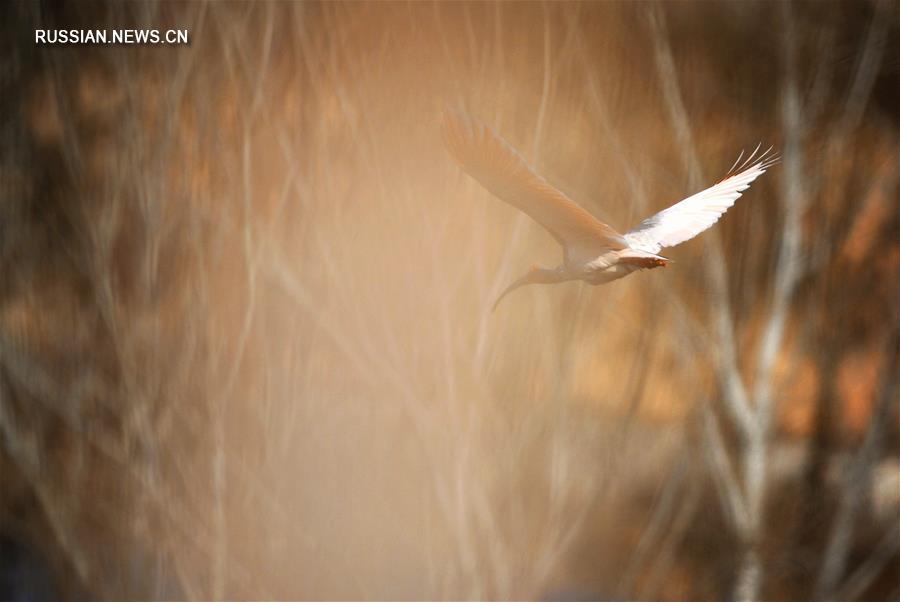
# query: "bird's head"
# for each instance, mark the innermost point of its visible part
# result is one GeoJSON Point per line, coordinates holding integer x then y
{"type": "Point", "coordinates": [535, 275]}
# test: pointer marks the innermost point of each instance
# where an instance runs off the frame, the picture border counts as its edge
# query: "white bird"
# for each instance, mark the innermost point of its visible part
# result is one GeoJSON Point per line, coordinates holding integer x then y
{"type": "Point", "coordinates": [592, 250]}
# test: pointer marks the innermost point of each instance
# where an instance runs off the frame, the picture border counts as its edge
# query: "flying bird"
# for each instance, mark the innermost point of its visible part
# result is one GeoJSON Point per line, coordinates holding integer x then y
{"type": "Point", "coordinates": [592, 250]}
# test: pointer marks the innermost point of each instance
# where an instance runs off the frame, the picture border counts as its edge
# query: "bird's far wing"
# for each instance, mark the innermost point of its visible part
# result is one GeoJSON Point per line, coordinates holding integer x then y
{"type": "Point", "coordinates": [693, 215]}
{"type": "Point", "coordinates": [504, 172]}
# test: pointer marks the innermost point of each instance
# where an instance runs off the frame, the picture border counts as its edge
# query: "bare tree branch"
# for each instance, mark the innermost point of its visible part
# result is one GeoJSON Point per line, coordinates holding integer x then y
{"type": "Point", "coordinates": [858, 479]}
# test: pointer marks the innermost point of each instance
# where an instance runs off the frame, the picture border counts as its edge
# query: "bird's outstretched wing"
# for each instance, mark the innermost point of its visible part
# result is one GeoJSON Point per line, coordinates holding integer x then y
{"type": "Point", "coordinates": [504, 172]}
{"type": "Point", "coordinates": [693, 215]}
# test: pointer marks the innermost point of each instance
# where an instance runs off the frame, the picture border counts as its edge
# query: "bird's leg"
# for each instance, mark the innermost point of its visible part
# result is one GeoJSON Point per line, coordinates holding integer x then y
{"type": "Point", "coordinates": [646, 262]}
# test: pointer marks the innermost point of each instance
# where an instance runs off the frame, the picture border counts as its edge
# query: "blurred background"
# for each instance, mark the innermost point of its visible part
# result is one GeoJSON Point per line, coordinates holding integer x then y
{"type": "Point", "coordinates": [246, 347]}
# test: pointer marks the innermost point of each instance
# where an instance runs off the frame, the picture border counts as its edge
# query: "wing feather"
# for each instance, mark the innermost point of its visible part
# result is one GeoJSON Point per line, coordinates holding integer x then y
{"type": "Point", "coordinates": [693, 215]}
{"type": "Point", "coordinates": [504, 172]}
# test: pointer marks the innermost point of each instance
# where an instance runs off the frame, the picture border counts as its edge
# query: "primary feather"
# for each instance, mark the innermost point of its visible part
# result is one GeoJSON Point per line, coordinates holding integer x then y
{"type": "Point", "coordinates": [693, 215]}
{"type": "Point", "coordinates": [504, 172]}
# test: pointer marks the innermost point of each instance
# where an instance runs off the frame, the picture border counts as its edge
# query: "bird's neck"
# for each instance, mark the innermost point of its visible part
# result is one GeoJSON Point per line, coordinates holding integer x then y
{"type": "Point", "coordinates": [550, 275]}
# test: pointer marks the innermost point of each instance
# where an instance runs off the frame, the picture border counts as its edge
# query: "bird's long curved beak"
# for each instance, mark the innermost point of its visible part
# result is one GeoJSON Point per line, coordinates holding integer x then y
{"type": "Point", "coordinates": [535, 275]}
{"type": "Point", "coordinates": [526, 279]}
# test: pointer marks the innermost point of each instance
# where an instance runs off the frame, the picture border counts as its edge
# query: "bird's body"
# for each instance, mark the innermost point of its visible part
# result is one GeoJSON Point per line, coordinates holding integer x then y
{"type": "Point", "coordinates": [610, 265]}
{"type": "Point", "coordinates": [592, 251]}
